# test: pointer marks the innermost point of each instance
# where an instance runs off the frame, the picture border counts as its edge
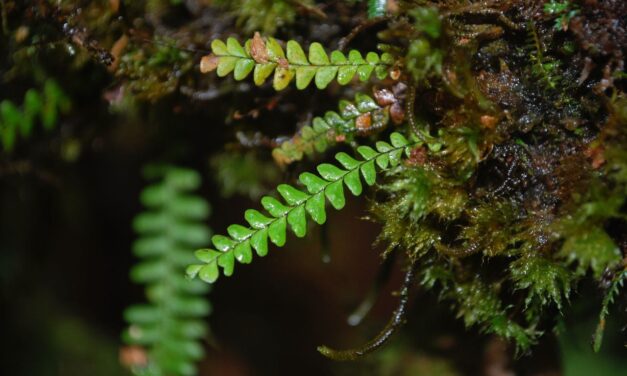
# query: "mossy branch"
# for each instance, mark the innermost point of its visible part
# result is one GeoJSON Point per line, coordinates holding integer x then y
{"type": "Point", "coordinates": [263, 57]}
{"type": "Point", "coordinates": [328, 186]}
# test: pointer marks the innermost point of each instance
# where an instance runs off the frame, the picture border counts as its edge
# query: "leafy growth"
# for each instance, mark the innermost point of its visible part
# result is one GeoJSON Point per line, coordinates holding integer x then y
{"type": "Point", "coordinates": [329, 185]}
{"type": "Point", "coordinates": [361, 116]}
{"type": "Point", "coordinates": [564, 10]}
{"type": "Point", "coordinates": [265, 57]}
{"type": "Point", "coordinates": [171, 324]}
{"type": "Point", "coordinates": [616, 284]}
{"type": "Point", "coordinates": [264, 15]}
{"type": "Point", "coordinates": [45, 106]}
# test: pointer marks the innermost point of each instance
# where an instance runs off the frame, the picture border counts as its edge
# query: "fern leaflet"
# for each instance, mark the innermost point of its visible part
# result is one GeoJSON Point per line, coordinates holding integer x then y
{"type": "Point", "coordinates": [264, 57]}
{"type": "Point", "coordinates": [329, 185]}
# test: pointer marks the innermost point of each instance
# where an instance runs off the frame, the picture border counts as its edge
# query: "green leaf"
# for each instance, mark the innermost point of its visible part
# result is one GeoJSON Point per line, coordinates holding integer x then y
{"type": "Point", "coordinates": [346, 73]}
{"type": "Point", "coordinates": [398, 140]}
{"type": "Point", "coordinates": [355, 58]}
{"type": "Point", "coordinates": [239, 232]}
{"type": "Point", "coordinates": [368, 172]}
{"type": "Point", "coordinates": [282, 78]}
{"type": "Point", "coordinates": [262, 72]}
{"type": "Point", "coordinates": [227, 262]}
{"type": "Point", "coordinates": [256, 219]}
{"type": "Point", "coordinates": [317, 55]}
{"type": "Point", "coordinates": [364, 72]}
{"type": "Point", "coordinates": [383, 146]}
{"type": "Point", "coordinates": [274, 206]}
{"type": "Point", "coordinates": [277, 231]}
{"type": "Point", "coordinates": [335, 194]}
{"type": "Point", "coordinates": [367, 152]}
{"type": "Point", "coordinates": [298, 222]}
{"type": "Point", "coordinates": [259, 242]}
{"type": "Point", "coordinates": [243, 68]}
{"type": "Point", "coordinates": [382, 161]}
{"type": "Point", "coordinates": [209, 273]}
{"type": "Point", "coordinates": [324, 76]}
{"type": "Point", "coordinates": [192, 270]}
{"type": "Point", "coordinates": [295, 54]}
{"type": "Point", "coordinates": [219, 48]}
{"type": "Point", "coordinates": [313, 183]}
{"type": "Point", "coordinates": [395, 157]}
{"type": "Point", "coordinates": [222, 242]}
{"type": "Point", "coordinates": [365, 103]}
{"type": "Point", "coordinates": [206, 255]}
{"type": "Point", "coordinates": [234, 48]}
{"type": "Point", "coordinates": [338, 58]}
{"type": "Point", "coordinates": [226, 64]}
{"type": "Point", "coordinates": [243, 253]}
{"type": "Point", "coordinates": [292, 195]}
{"type": "Point", "coordinates": [275, 51]}
{"type": "Point", "coordinates": [346, 160]}
{"type": "Point", "coordinates": [304, 75]}
{"type": "Point", "coordinates": [372, 58]}
{"type": "Point", "coordinates": [330, 172]}
{"type": "Point", "coordinates": [353, 182]}
{"type": "Point", "coordinates": [315, 208]}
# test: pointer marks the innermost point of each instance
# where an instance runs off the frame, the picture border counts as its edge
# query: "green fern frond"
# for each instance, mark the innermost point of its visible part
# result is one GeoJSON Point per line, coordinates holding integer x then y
{"type": "Point", "coordinates": [265, 57]}
{"type": "Point", "coordinates": [44, 105]}
{"type": "Point", "coordinates": [544, 68]}
{"type": "Point", "coordinates": [171, 325]}
{"type": "Point", "coordinates": [328, 186]}
{"type": "Point", "coordinates": [610, 295]}
{"type": "Point", "coordinates": [361, 116]}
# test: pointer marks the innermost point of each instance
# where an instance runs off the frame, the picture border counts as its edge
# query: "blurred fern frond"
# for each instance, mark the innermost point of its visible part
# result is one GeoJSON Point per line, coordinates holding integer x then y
{"type": "Point", "coordinates": [45, 105]}
{"type": "Point", "coordinates": [168, 329]}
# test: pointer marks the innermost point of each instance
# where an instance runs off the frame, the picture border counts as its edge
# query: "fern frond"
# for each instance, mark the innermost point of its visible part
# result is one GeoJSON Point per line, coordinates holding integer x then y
{"type": "Point", "coordinates": [361, 116]}
{"type": "Point", "coordinates": [610, 295]}
{"type": "Point", "coordinates": [544, 67]}
{"type": "Point", "coordinates": [265, 57]}
{"type": "Point", "coordinates": [45, 105]}
{"type": "Point", "coordinates": [171, 325]}
{"type": "Point", "coordinates": [328, 186]}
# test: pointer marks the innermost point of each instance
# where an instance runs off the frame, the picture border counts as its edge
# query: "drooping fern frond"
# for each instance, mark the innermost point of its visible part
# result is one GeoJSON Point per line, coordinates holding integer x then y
{"type": "Point", "coordinates": [169, 327]}
{"type": "Point", "coordinates": [328, 186]}
{"type": "Point", "coordinates": [610, 295]}
{"type": "Point", "coordinates": [45, 105]}
{"type": "Point", "coordinates": [362, 116]}
{"type": "Point", "coordinates": [265, 57]}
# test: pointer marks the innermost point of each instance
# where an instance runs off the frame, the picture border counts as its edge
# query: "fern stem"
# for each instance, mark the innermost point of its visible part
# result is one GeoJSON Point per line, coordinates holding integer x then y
{"type": "Point", "coordinates": [396, 321]}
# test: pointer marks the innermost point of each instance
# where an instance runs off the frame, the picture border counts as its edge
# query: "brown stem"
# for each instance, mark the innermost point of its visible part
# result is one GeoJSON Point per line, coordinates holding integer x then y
{"type": "Point", "coordinates": [396, 321]}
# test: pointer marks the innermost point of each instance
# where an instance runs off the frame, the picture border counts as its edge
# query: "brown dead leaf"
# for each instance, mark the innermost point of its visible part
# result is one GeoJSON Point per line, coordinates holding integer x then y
{"type": "Point", "coordinates": [363, 122]}
{"type": "Point", "coordinates": [258, 49]}
{"type": "Point", "coordinates": [209, 63]}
